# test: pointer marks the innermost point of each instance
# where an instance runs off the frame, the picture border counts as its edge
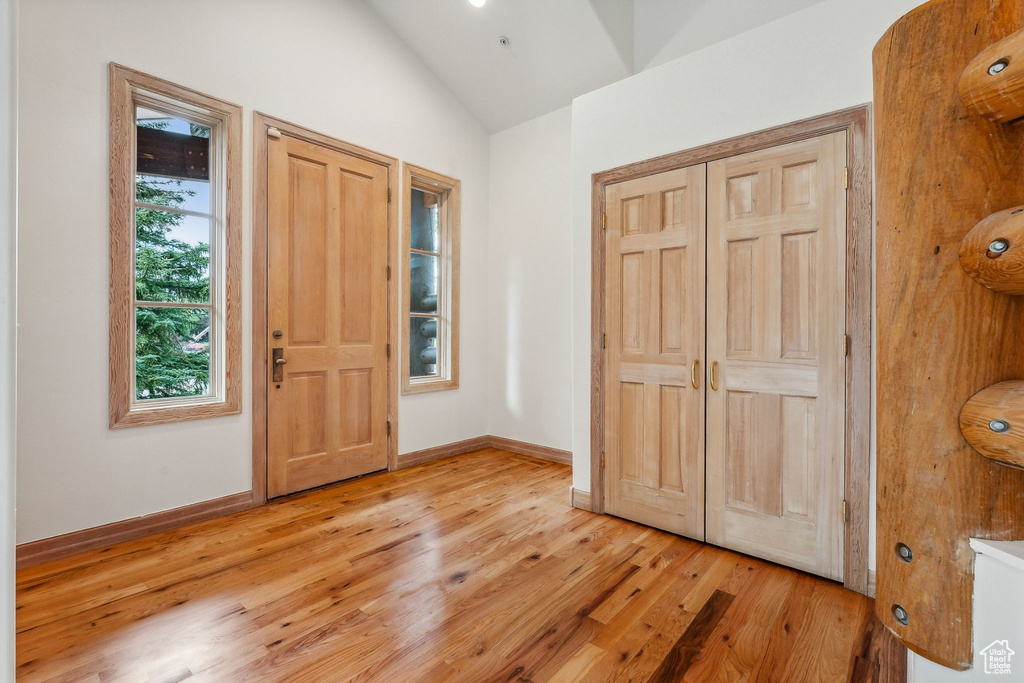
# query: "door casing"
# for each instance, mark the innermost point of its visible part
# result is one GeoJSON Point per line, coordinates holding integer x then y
{"type": "Point", "coordinates": [261, 125]}
{"type": "Point", "coordinates": [855, 121]}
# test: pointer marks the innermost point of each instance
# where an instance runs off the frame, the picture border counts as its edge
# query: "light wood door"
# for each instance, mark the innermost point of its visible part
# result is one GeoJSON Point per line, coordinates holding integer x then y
{"type": "Point", "coordinates": [654, 440]}
{"type": "Point", "coordinates": [327, 299]}
{"type": "Point", "coordinates": [776, 325]}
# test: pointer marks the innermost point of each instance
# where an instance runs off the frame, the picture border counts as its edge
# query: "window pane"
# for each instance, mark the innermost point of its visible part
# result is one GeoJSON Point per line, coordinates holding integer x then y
{"type": "Point", "coordinates": [424, 281]}
{"type": "Point", "coordinates": [191, 195]}
{"type": "Point", "coordinates": [172, 257]}
{"type": "Point", "coordinates": [423, 215]}
{"type": "Point", "coordinates": [170, 146]}
{"type": "Point", "coordinates": [150, 118]}
{"type": "Point", "coordinates": [172, 352]}
{"type": "Point", "coordinates": [423, 347]}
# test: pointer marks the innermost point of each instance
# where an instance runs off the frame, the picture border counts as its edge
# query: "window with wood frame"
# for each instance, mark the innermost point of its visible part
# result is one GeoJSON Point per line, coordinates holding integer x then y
{"type": "Point", "coordinates": [175, 252]}
{"type": "Point", "coordinates": [430, 320]}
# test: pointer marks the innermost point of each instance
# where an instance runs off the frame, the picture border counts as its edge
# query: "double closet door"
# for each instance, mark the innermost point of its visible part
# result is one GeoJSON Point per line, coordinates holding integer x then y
{"type": "Point", "coordinates": [725, 369]}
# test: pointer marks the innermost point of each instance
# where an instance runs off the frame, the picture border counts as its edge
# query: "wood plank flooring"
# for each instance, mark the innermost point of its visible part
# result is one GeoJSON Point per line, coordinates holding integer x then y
{"type": "Point", "coordinates": [472, 568]}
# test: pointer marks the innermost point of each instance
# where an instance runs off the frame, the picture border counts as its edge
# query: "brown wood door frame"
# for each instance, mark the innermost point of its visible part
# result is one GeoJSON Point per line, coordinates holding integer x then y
{"type": "Point", "coordinates": [856, 122]}
{"type": "Point", "coordinates": [261, 124]}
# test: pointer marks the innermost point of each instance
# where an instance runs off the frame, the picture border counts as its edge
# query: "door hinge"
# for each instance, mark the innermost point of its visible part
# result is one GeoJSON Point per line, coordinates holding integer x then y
{"type": "Point", "coordinates": [846, 178]}
{"type": "Point", "coordinates": [389, 427]}
{"type": "Point", "coordinates": [389, 195]}
{"type": "Point", "coordinates": [604, 221]}
{"type": "Point", "coordinates": [602, 459]}
{"type": "Point", "coordinates": [273, 133]}
{"type": "Point", "coordinates": [843, 509]}
{"type": "Point", "coordinates": [604, 341]}
{"type": "Point", "coordinates": [389, 272]}
{"type": "Point", "coordinates": [846, 345]}
{"type": "Point", "coordinates": [388, 349]}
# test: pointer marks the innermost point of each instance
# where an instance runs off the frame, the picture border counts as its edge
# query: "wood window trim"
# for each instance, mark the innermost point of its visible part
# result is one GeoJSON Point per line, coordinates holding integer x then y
{"type": "Point", "coordinates": [262, 123]}
{"type": "Point", "coordinates": [417, 177]}
{"type": "Point", "coordinates": [855, 121]}
{"type": "Point", "coordinates": [123, 411]}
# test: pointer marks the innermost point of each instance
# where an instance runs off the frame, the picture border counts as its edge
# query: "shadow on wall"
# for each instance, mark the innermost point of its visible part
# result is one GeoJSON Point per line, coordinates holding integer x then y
{"type": "Point", "coordinates": [664, 31]}
{"type": "Point", "coordinates": [515, 345]}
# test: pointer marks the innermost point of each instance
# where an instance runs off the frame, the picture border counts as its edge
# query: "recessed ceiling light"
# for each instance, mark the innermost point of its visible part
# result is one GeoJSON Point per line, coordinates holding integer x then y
{"type": "Point", "coordinates": [477, 3]}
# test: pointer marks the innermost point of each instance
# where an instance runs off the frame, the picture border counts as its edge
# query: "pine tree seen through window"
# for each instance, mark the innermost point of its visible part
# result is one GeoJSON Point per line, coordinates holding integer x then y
{"type": "Point", "coordinates": [173, 218]}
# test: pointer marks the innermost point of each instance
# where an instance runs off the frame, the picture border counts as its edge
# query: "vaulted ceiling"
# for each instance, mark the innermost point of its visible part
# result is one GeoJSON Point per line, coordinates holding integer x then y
{"type": "Point", "coordinates": [559, 49]}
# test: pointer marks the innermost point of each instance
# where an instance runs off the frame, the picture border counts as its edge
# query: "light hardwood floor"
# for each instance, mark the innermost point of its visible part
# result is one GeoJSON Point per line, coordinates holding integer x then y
{"type": "Point", "coordinates": [472, 568]}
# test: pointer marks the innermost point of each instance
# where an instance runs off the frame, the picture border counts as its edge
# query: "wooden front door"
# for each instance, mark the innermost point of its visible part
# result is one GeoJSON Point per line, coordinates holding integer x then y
{"type": "Point", "coordinates": [327, 316]}
{"type": "Point", "coordinates": [776, 326]}
{"type": "Point", "coordinates": [654, 438]}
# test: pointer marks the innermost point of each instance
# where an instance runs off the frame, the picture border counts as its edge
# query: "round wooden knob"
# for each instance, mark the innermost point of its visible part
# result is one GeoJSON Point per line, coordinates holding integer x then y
{"type": "Point", "coordinates": [993, 251]}
{"type": "Point", "coordinates": [992, 85]}
{"type": "Point", "coordinates": [992, 421]}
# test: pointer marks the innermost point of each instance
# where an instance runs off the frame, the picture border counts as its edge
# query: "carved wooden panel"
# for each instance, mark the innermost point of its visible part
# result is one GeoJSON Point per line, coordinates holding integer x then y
{"type": "Point", "coordinates": [631, 430]}
{"type": "Point", "coordinates": [740, 303]}
{"type": "Point", "coordinates": [356, 272]}
{"type": "Point", "coordinates": [632, 268]}
{"type": "Point", "coordinates": [309, 417]}
{"type": "Point", "coordinates": [633, 216]}
{"type": "Point", "coordinates": [355, 407]}
{"type": "Point", "coordinates": [307, 232]}
{"type": "Point", "coordinates": [676, 438]}
{"type": "Point", "coordinates": [673, 209]}
{"type": "Point", "coordinates": [673, 296]}
{"type": "Point", "coordinates": [942, 336]}
{"type": "Point", "coordinates": [799, 297]}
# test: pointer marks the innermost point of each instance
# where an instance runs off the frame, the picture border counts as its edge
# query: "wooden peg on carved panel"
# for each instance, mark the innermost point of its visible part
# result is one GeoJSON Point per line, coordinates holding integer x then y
{"type": "Point", "coordinates": [993, 251]}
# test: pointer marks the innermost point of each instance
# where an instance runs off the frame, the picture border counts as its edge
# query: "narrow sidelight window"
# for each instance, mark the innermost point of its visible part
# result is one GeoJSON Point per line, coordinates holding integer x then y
{"type": "Point", "coordinates": [431, 281]}
{"type": "Point", "coordinates": [175, 207]}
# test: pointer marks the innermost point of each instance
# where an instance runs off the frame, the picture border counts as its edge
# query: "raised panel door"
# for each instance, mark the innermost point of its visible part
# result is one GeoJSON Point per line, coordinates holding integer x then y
{"type": "Point", "coordinates": [654, 437]}
{"type": "Point", "coordinates": [776, 325]}
{"type": "Point", "coordinates": [327, 314]}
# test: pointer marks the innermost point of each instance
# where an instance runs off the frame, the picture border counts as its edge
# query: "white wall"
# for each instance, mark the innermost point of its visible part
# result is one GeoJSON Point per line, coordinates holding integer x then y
{"type": "Point", "coordinates": [330, 65]}
{"type": "Point", "coordinates": [529, 283]}
{"type": "Point", "coordinates": [8, 218]}
{"type": "Point", "coordinates": [737, 86]}
{"type": "Point", "coordinates": [663, 31]}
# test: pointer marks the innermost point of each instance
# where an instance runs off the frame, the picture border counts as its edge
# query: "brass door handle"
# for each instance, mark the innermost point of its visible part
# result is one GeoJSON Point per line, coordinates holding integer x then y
{"type": "Point", "coordinates": [714, 364]}
{"type": "Point", "coordinates": [693, 374]}
{"type": "Point", "coordinates": [279, 361]}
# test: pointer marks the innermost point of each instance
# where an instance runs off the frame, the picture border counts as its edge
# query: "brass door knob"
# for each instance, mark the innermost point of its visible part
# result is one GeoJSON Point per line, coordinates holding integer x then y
{"type": "Point", "coordinates": [277, 354]}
